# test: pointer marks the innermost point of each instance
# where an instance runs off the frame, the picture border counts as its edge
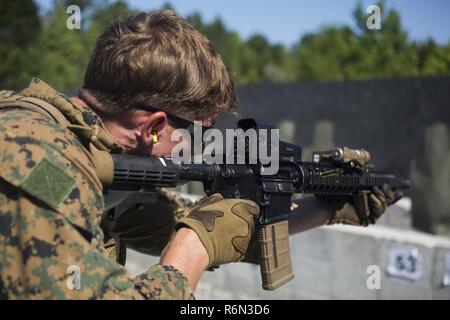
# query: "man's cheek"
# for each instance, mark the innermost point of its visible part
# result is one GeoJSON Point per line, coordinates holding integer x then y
{"type": "Point", "coordinates": [164, 149]}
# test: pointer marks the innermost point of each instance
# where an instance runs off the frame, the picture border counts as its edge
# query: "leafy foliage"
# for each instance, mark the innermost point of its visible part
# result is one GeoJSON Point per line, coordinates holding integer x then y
{"type": "Point", "coordinates": [33, 44]}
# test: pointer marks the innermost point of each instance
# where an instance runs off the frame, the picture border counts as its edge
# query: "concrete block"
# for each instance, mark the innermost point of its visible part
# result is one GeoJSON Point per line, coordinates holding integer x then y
{"type": "Point", "coordinates": [441, 267]}
{"type": "Point", "coordinates": [244, 276]}
{"type": "Point", "coordinates": [313, 278]}
{"type": "Point", "coordinates": [331, 263]}
{"type": "Point", "coordinates": [314, 244]}
{"type": "Point", "coordinates": [208, 291]}
{"type": "Point", "coordinates": [352, 255]}
{"type": "Point", "coordinates": [425, 264]}
{"type": "Point", "coordinates": [400, 289]}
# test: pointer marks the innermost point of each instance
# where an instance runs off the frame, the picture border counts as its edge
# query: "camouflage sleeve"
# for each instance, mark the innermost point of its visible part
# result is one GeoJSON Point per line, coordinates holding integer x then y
{"type": "Point", "coordinates": [50, 204]}
{"type": "Point", "coordinates": [181, 204]}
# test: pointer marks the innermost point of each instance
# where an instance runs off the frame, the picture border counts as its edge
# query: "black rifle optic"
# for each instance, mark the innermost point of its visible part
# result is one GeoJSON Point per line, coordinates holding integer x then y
{"type": "Point", "coordinates": [338, 172]}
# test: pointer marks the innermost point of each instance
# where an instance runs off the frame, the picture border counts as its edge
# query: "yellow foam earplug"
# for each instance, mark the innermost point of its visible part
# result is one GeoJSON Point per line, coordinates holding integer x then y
{"type": "Point", "coordinates": [155, 135]}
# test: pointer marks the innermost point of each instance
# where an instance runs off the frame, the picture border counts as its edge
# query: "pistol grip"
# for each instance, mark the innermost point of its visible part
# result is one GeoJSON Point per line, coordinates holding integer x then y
{"type": "Point", "coordinates": [275, 255]}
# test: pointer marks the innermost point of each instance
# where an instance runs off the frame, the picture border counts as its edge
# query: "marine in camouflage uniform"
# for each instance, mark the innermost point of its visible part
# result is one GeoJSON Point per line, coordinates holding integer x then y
{"type": "Point", "coordinates": [50, 208]}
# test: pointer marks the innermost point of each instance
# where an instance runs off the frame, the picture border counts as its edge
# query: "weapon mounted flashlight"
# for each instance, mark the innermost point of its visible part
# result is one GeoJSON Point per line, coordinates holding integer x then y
{"type": "Point", "coordinates": [343, 155]}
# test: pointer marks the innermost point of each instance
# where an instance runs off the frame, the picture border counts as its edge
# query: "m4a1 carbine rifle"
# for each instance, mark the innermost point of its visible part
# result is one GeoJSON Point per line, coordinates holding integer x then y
{"type": "Point", "coordinates": [339, 172]}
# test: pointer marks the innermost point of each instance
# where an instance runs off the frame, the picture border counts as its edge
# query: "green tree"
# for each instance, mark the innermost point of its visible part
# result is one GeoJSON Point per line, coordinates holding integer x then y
{"type": "Point", "coordinates": [342, 52]}
{"type": "Point", "coordinates": [34, 45]}
{"type": "Point", "coordinates": [269, 60]}
{"type": "Point", "coordinates": [61, 52]}
{"type": "Point", "coordinates": [20, 26]}
{"type": "Point", "coordinates": [331, 54]}
{"type": "Point", "coordinates": [106, 13]}
{"type": "Point", "coordinates": [437, 61]}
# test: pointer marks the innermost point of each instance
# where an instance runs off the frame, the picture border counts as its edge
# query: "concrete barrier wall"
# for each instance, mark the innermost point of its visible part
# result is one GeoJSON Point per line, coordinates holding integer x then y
{"type": "Point", "coordinates": [332, 263]}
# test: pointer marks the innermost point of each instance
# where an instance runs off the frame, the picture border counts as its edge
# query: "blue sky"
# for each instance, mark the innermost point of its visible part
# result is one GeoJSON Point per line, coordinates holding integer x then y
{"type": "Point", "coordinates": [285, 21]}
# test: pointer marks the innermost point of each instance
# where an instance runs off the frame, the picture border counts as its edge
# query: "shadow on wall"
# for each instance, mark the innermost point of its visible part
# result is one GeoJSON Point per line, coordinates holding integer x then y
{"type": "Point", "coordinates": [430, 175]}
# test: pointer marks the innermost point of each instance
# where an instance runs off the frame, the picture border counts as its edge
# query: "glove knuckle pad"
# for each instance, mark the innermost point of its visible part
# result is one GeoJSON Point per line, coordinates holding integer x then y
{"type": "Point", "coordinates": [207, 217]}
{"type": "Point", "coordinates": [240, 244]}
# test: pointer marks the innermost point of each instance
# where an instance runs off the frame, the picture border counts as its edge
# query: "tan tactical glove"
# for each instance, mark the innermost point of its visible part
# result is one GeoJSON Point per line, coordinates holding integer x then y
{"type": "Point", "coordinates": [224, 226]}
{"type": "Point", "coordinates": [361, 209]}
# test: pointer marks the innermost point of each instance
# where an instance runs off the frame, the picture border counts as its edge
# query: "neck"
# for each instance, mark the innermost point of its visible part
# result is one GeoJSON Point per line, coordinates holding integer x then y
{"type": "Point", "coordinates": [123, 136]}
{"type": "Point", "coordinates": [88, 99]}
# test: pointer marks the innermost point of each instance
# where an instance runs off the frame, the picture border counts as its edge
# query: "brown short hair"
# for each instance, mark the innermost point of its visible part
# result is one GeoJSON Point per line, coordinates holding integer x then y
{"type": "Point", "coordinates": [157, 59]}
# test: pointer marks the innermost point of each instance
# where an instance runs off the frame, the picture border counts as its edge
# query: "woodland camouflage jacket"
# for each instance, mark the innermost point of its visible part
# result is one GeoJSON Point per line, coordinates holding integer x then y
{"type": "Point", "coordinates": [50, 206]}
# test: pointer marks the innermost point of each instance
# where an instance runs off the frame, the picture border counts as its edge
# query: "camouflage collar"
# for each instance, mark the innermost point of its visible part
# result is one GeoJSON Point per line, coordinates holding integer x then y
{"type": "Point", "coordinates": [76, 114]}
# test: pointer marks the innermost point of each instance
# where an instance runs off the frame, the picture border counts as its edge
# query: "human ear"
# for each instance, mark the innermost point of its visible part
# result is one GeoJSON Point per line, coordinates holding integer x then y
{"type": "Point", "coordinates": [152, 126]}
